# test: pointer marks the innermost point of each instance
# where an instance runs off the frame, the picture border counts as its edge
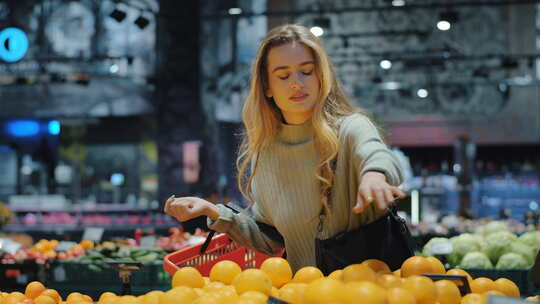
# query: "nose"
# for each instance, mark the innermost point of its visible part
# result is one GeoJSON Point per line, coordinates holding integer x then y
{"type": "Point", "coordinates": [297, 83]}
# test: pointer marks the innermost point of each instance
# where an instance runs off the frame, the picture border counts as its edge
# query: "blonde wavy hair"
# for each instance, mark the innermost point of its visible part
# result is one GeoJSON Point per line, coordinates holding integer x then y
{"type": "Point", "coordinates": [262, 118]}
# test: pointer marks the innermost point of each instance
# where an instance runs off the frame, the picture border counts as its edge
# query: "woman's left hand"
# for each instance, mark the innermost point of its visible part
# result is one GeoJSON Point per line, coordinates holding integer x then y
{"type": "Point", "coordinates": [373, 187]}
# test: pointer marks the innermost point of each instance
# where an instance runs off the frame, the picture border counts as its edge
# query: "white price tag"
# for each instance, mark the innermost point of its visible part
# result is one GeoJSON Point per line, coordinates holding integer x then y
{"type": "Point", "coordinates": [505, 300]}
{"type": "Point", "coordinates": [59, 273]}
{"type": "Point", "coordinates": [65, 246]}
{"type": "Point", "coordinates": [441, 248]}
{"type": "Point", "coordinates": [148, 242]}
{"type": "Point", "coordinates": [9, 246]}
{"type": "Point", "coordinates": [93, 234]}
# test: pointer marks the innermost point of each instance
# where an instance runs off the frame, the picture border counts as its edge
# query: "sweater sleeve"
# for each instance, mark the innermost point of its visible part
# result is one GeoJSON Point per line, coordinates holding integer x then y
{"type": "Point", "coordinates": [368, 151]}
{"type": "Point", "coordinates": [245, 230]}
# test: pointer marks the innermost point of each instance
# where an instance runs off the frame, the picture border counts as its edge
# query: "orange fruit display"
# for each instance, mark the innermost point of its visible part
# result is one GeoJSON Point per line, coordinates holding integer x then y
{"type": "Point", "coordinates": [422, 288]}
{"type": "Point", "coordinates": [307, 274]}
{"type": "Point", "coordinates": [437, 266]}
{"type": "Point", "coordinates": [481, 285]}
{"type": "Point", "coordinates": [323, 291]}
{"type": "Point", "coordinates": [365, 291]}
{"type": "Point", "coordinates": [447, 292]}
{"type": "Point", "coordinates": [461, 272]}
{"type": "Point", "coordinates": [473, 298]}
{"type": "Point", "coordinates": [224, 271]}
{"type": "Point", "coordinates": [358, 272]}
{"type": "Point", "coordinates": [252, 279]}
{"type": "Point", "coordinates": [507, 287]}
{"type": "Point", "coordinates": [388, 281]}
{"type": "Point", "coordinates": [34, 289]}
{"type": "Point", "coordinates": [376, 265]}
{"type": "Point", "coordinates": [292, 293]}
{"type": "Point", "coordinates": [399, 295]}
{"type": "Point", "coordinates": [279, 271]}
{"type": "Point", "coordinates": [188, 276]}
{"type": "Point", "coordinates": [416, 265]}
{"type": "Point", "coordinates": [53, 294]}
{"type": "Point", "coordinates": [336, 274]}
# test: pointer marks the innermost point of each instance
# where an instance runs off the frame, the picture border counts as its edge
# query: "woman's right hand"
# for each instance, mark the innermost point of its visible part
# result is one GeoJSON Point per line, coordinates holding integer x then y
{"type": "Point", "coordinates": [187, 208]}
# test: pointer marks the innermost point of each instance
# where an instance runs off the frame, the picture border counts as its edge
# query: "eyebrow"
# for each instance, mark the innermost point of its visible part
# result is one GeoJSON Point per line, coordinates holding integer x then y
{"type": "Point", "coordinates": [286, 67]}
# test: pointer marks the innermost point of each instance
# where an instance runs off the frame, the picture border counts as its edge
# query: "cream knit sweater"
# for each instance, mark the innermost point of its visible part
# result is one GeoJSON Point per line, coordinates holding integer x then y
{"type": "Point", "coordinates": [286, 190]}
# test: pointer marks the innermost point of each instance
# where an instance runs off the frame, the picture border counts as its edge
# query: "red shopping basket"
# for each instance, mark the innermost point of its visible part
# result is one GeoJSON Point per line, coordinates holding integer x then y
{"type": "Point", "coordinates": [221, 248]}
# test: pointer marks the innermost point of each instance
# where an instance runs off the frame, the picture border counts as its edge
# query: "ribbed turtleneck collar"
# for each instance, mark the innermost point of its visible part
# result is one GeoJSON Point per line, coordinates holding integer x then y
{"type": "Point", "coordinates": [296, 134]}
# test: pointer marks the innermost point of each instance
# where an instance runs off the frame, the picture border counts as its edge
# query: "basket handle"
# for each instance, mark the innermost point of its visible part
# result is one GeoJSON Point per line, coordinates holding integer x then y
{"type": "Point", "coordinates": [207, 242]}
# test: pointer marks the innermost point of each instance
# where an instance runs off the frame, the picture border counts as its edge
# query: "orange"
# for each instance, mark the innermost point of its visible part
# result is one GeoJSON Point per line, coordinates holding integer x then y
{"type": "Point", "coordinates": [447, 292]}
{"type": "Point", "coordinates": [44, 299]}
{"type": "Point", "coordinates": [256, 296]}
{"type": "Point", "coordinates": [274, 292]}
{"type": "Point", "coordinates": [336, 275]}
{"type": "Point", "coordinates": [106, 295]}
{"type": "Point", "coordinates": [437, 266]}
{"type": "Point", "coordinates": [227, 295]}
{"type": "Point", "coordinates": [27, 301]}
{"type": "Point", "coordinates": [224, 271]}
{"type": "Point", "coordinates": [34, 289]}
{"type": "Point", "coordinates": [181, 294]}
{"type": "Point", "coordinates": [399, 295]}
{"type": "Point", "coordinates": [278, 269]}
{"type": "Point", "coordinates": [88, 298]}
{"type": "Point", "coordinates": [422, 288]}
{"type": "Point", "coordinates": [376, 265]}
{"type": "Point", "coordinates": [388, 281]}
{"type": "Point", "coordinates": [473, 298]}
{"type": "Point", "coordinates": [367, 292]}
{"type": "Point", "coordinates": [127, 300]}
{"type": "Point", "coordinates": [151, 297]}
{"type": "Point", "coordinates": [481, 285]}
{"type": "Point", "coordinates": [73, 297]}
{"type": "Point", "coordinates": [507, 287]}
{"type": "Point", "coordinates": [187, 276]}
{"type": "Point", "coordinates": [324, 291]}
{"type": "Point", "coordinates": [397, 273]}
{"type": "Point", "coordinates": [358, 272]}
{"type": "Point", "coordinates": [252, 279]}
{"type": "Point", "coordinates": [307, 274]}
{"type": "Point", "coordinates": [292, 293]}
{"type": "Point", "coordinates": [415, 265]}
{"type": "Point", "coordinates": [14, 298]}
{"type": "Point", "coordinates": [461, 272]}
{"type": "Point", "coordinates": [53, 294]}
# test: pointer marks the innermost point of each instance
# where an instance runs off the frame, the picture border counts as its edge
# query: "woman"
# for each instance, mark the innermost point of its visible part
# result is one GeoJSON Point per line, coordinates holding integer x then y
{"type": "Point", "coordinates": [303, 138]}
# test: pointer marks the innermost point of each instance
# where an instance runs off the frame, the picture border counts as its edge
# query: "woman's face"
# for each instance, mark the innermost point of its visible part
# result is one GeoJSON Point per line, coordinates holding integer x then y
{"type": "Point", "coordinates": [293, 81]}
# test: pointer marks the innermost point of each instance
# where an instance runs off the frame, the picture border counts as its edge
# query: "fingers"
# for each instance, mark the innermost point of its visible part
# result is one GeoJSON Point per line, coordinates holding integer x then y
{"type": "Point", "coordinates": [168, 203]}
{"type": "Point", "coordinates": [397, 193]}
{"type": "Point", "coordinates": [381, 196]}
{"type": "Point", "coordinates": [380, 199]}
{"type": "Point", "coordinates": [364, 198]}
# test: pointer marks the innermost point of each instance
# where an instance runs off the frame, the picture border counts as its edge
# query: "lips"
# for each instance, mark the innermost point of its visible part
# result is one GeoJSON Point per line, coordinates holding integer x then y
{"type": "Point", "coordinates": [298, 97]}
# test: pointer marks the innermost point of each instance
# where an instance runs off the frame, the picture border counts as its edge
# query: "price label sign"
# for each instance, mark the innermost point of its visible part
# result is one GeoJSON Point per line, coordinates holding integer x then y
{"type": "Point", "coordinates": [441, 248]}
{"type": "Point", "coordinates": [93, 234]}
{"type": "Point", "coordinates": [505, 300]}
{"type": "Point", "coordinates": [148, 242]}
{"type": "Point", "coordinates": [65, 246]}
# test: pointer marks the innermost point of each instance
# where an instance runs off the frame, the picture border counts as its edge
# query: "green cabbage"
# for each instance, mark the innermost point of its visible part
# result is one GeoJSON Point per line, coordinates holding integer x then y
{"type": "Point", "coordinates": [463, 244]}
{"type": "Point", "coordinates": [531, 238]}
{"type": "Point", "coordinates": [427, 248]}
{"type": "Point", "coordinates": [496, 244]}
{"type": "Point", "coordinates": [491, 227]}
{"type": "Point", "coordinates": [526, 251]}
{"type": "Point", "coordinates": [477, 260]}
{"type": "Point", "coordinates": [512, 261]}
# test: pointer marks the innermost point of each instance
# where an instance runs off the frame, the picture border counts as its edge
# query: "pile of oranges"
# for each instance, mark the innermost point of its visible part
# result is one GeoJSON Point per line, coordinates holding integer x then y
{"type": "Point", "coordinates": [369, 282]}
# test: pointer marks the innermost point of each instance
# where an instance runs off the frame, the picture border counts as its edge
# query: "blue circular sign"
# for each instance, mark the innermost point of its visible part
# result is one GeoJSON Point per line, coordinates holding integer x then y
{"type": "Point", "coordinates": [13, 44]}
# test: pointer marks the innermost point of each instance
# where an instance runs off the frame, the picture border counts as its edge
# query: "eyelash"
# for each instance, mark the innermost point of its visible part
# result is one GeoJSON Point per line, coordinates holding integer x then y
{"type": "Point", "coordinates": [305, 73]}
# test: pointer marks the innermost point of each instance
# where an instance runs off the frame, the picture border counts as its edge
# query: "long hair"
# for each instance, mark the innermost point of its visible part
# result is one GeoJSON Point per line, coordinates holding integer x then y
{"type": "Point", "coordinates": [262, 118]}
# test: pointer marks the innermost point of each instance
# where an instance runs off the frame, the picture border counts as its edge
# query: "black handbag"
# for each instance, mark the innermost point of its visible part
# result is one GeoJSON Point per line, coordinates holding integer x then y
{"type": "Point", "coordinates": [387, 239]}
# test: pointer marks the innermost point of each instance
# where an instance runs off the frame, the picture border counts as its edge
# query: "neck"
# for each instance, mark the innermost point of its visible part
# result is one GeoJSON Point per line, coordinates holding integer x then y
{"type": "Point", "coordinates": [297, 118]}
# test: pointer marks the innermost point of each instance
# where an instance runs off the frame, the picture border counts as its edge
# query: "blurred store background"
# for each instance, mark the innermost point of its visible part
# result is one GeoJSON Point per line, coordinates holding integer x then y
{"type": "Point", "coordinates": [109, 107]}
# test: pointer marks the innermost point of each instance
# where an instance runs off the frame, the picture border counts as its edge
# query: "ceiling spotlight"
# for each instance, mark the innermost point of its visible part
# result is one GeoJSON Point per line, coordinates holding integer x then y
{"type": "Point", "coordinates": [114, 68]}
{"type": "Point", "coordinates": [422, 93]}
{"type": "Point", "coordinates": [235, 11]}
{"type": "Point", "coordinates": [142, 22]}
{"type": "Point", "coordinates": [398, 2]}
{"type": "Point", "coordinates": [118, 15]}
{"type": "Point", "coordinates": [385, 64]}
{"type": "Point", "coordinates": [317, 31]}
{"type": "Point", "coordinates": [443, 25]}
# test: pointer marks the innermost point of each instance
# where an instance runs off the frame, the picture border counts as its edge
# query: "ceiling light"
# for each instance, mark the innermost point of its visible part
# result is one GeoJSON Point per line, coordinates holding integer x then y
{"type": "Point", "coordinates": [235, 11]}
{"type": "Point", "coordinates": [317, 31]}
